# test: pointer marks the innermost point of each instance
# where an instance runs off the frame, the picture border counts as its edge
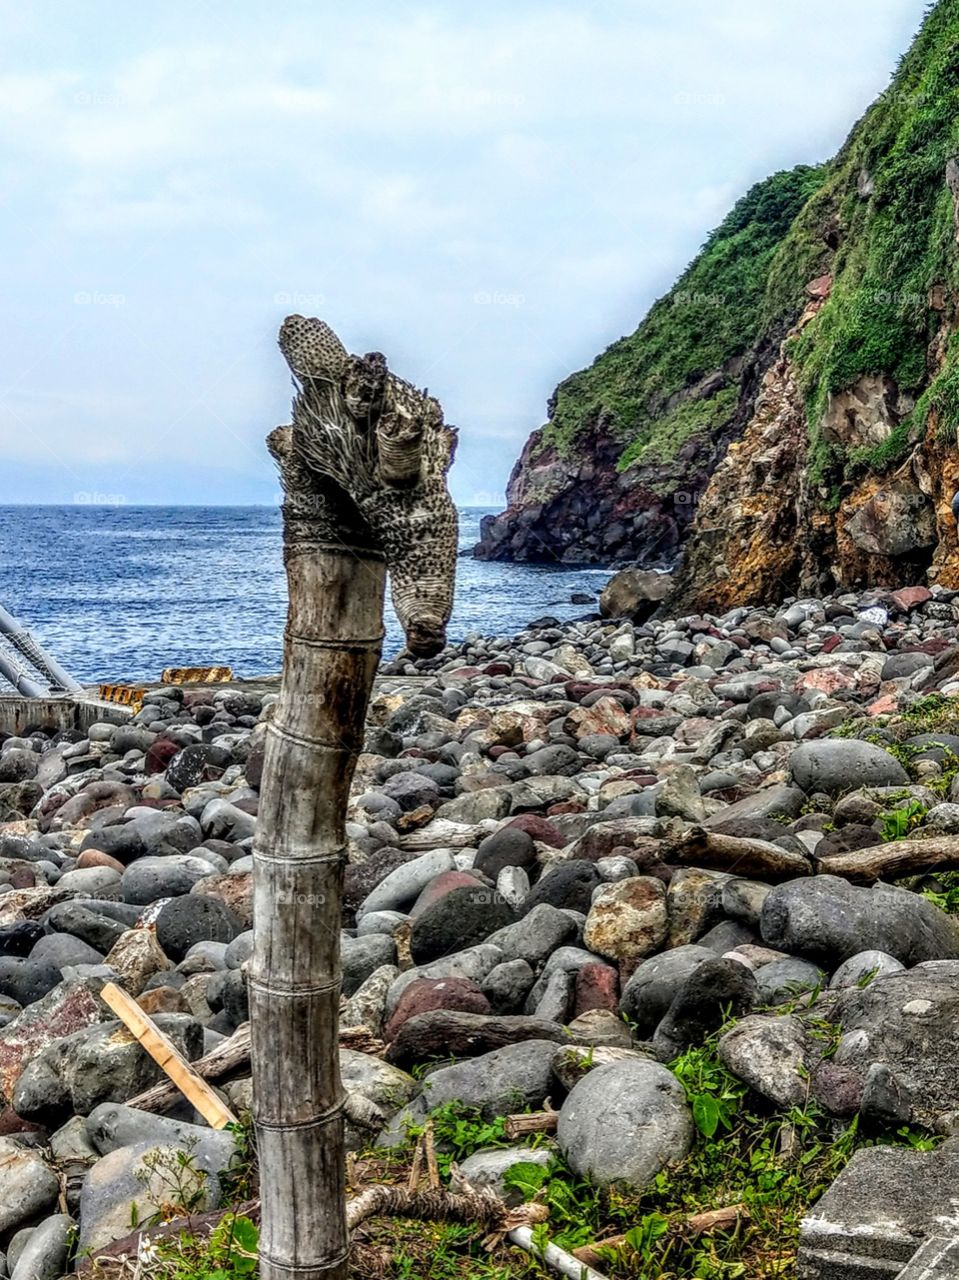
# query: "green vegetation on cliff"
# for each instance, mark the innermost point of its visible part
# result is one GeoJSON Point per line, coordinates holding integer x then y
{"type": "Point", "coordinates": [880, 218]}
{"type": "Point", "coordinates": [892, 210]}
{"type": "Point", "coordinates": [711, 316]}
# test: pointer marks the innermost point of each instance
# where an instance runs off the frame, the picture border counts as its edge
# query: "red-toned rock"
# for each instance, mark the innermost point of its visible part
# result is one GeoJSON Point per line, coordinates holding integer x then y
{"type": "Point", "coordinates": [910, 597]}
{"type": "Point", "coordinates": [439, 887]}
{"type": "Point", "coordinates": [425, 994]}
{"type": "Point", "coordinates": [826, 679]}
{"type": "Point", "coordinates": [68, 1007]}
{"type": "Point", "coordinates": [597, 987]}
{"type": "Point", "coordinates": [539, 829]}
{"type": "Point", "coordinates": [606, 715]}
{"type": "Point", "coordinates": [883, 706]}
{"type": "Point", "coordinates": [566, 806]}
{"type": "Point", "coordinates": [160, 754]}
{"type": "Point", "coordinates": [831, 642]}
{"type": "Point", "coordinates": [10, 1122]}
{"type": "Point", "coordinates": [94, 858]}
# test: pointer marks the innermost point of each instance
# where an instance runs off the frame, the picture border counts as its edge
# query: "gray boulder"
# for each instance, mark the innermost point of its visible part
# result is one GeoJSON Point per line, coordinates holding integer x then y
{"type": "Point", "coordinates": [44, 1257]}
{"type": "Point", "coordinates": [826, 919]}
{"type": "Point", "coordinates": [900, 1042]}
{"type": "Point", "coordinates": [132, 1184]}
{"type": "Point", "coordinates": [835, 765]}
{"type": "Point", "coordinates": [624, 1122]}
{"type": "Point", "coordinates": [28, 1185]}
{"type": "Point", "coordinates": [497, 1083]}
{"type": "Point", "coordinates": [651, 989]}
{"type": "Point", "coordinates": [488, 1168]}
{"type": "Point", "coordinates": [771, 1055]}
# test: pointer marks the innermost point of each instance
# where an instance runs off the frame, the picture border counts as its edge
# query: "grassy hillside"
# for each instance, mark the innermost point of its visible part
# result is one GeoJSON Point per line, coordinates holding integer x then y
{"type": "Point", "coordinates": [893, 210]}
{"type": "Point", "coordinates": [879, 217]}
{"type": "Point", "coordinates": [711, 315]}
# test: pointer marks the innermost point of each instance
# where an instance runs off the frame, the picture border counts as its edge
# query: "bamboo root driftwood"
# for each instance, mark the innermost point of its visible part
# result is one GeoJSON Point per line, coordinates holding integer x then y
{"type": "Point", "coordinates": [363, 469]}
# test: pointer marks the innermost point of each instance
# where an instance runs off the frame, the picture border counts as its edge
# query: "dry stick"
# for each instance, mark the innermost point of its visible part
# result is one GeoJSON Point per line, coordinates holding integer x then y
{"type": "Point", "coordinates": [165, 1053]}
{"type": "Point", "coordinates": [537, 1122]}
{"type": "Point", "coordinates": [432, 1169]}
{"type": "Point", "coordinates": [698, 1224]}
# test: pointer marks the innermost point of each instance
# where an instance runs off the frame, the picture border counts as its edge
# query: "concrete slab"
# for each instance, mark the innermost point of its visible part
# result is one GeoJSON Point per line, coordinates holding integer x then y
{"type": "Point", "coordinates": [877, 1214]}
{"type": "Point", "coordinates": [938, 1259]}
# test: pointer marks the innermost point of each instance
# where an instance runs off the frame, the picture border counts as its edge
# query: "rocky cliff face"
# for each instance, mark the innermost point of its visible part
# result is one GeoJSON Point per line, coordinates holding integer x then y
{"type": "Point", "coordinates": [786, 418]}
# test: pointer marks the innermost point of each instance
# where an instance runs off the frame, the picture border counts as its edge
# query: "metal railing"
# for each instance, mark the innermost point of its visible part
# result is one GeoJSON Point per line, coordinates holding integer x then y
{"type": "Point", "coordinates": [23, 658]}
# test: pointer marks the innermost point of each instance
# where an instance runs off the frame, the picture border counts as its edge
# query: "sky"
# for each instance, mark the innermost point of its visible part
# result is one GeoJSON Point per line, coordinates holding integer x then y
{"type": "Point", "coordinates": [488, 193]}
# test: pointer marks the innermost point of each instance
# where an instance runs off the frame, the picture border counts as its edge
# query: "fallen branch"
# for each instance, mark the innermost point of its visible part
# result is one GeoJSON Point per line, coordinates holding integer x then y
{"type": "Point", "coordinates": [697, 1224]}
{"type": "Point", "coordinates": [713, 851]}
{"type": "Point", "coordinates": [893, 861]}
{"type": "Point", "coordinates": [219, 1062]}
{"type": "Point", "coordinates": [519, 1126]}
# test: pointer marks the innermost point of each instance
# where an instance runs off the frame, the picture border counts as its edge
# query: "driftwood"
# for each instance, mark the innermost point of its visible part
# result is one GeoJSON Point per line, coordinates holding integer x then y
{"type": "Point", "coordinates": [519, 1126]}
{"type": "Point", "coordinates": [894, 860]}
{"type": "Point", "coordinates": [363, 470]}
{"type": "Point", "coordinates": [713, 851]}
{"type": "Point", "coordinates": [697, 1224]}
{"type": "Point", "coordinates": [445, 1033]}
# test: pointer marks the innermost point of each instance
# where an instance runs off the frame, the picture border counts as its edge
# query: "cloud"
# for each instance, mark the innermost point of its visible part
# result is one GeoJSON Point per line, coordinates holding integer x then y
{"type": "Point", "coordinates": [490, 194]}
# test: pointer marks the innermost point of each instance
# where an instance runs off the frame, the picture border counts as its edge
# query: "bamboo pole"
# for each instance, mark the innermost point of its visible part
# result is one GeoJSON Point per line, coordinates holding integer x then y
{"type": "Point", "coordinates": [349, 515]}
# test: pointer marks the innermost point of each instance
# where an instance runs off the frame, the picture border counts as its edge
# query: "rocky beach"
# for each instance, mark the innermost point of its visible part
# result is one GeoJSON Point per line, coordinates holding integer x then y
{"type": "Point", "coordinates": [577, 855]}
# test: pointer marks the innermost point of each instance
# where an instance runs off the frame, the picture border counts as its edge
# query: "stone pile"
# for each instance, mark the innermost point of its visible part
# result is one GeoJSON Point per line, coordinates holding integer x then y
{"type": "Point", "coordinates": [573, 852]}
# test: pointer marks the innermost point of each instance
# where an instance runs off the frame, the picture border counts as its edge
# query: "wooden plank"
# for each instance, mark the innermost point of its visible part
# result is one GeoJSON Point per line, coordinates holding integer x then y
{"type": "Point", "coordinates": [165, 1053]}
{"type": "Point", "coordinates": [219, 1062]}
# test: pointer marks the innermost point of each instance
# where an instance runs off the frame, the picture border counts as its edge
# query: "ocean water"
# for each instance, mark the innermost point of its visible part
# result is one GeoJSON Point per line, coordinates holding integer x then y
{"type": "Point", "coordinates": [120, 592]}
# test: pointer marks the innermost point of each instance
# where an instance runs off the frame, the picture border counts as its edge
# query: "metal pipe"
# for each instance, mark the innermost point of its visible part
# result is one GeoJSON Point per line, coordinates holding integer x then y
{"type": "Point", "coordinates": [22, 639]}
{"type": "Point", "coordinates": [20, 678]}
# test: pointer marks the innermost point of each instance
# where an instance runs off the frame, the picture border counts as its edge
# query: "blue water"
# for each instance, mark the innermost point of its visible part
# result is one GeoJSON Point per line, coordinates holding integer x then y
{"type": "Point", "coordinates": [119, 592]}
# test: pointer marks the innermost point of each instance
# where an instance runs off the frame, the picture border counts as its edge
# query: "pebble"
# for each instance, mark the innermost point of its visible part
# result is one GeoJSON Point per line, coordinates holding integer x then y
{"type": "Point", "coordinates": [520, 811]}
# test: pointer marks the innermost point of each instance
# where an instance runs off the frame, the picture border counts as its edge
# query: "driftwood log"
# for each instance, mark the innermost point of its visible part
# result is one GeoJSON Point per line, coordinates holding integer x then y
{"type": "Point", "coordinates": [363, 469]}
{"type": "Point", "coordinates": [894, 860]}
{"type": "Point", "coordinates": [698, 847]}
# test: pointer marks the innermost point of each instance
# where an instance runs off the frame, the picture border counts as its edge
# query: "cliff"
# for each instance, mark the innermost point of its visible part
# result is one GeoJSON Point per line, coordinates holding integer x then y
{"type": "Point", "coordinates": [785, 416]}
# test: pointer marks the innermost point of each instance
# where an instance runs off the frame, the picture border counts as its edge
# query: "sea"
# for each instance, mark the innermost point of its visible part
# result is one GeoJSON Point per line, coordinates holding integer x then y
{"type": "Point", "coordinates": [117, 593]}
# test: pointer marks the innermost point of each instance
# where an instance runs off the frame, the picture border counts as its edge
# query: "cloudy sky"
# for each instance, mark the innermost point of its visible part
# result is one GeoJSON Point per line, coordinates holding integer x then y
{"type": "Point", "coordinates": [488, 193]}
